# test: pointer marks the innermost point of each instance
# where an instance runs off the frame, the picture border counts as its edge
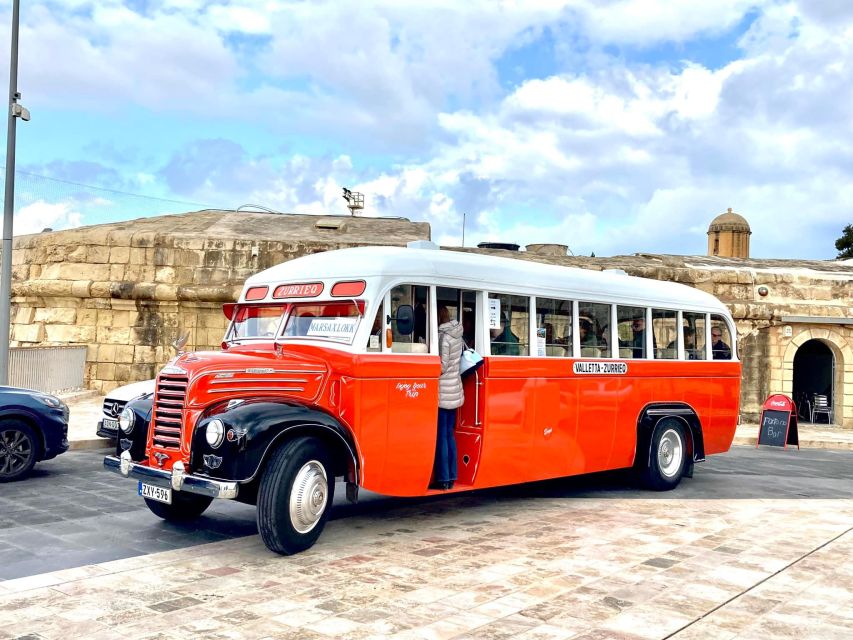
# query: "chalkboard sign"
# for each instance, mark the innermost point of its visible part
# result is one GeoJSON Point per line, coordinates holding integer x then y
{"type": "Point", "coordinates": [778, 425]}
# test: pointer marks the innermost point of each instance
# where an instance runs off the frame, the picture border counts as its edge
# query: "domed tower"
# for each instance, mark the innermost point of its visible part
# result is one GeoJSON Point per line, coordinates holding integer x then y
{"type": "Point", "coordinates": [728, 236]}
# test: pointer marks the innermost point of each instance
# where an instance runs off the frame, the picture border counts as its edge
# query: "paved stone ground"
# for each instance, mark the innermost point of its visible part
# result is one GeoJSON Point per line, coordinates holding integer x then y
{"type": "Point", "coordinates": [73, 512]}
{"type": "Point", "coordinates": [526, 562]}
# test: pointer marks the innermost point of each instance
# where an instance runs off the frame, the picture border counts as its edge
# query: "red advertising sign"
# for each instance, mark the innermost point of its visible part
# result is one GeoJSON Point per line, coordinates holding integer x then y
{"type": "Point", "coordinates": [307, 290]}
{"type": "Point", "coordinates": [778, 424]}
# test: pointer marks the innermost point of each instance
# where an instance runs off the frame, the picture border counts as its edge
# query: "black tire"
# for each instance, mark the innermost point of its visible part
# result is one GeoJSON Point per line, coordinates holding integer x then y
{"type": "Point", "coordinates": [18, 450]}
{"type": "Point", "coordinates": [667, 456]}
{"type": "Point", "coordinates": [184, 507]}
{"type": "Point", "coordinates": [295, 496]}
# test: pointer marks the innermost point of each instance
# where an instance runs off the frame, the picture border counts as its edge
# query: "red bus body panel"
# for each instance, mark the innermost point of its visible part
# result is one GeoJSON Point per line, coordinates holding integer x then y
{"type": "Point", "coordinates": [524, 418]}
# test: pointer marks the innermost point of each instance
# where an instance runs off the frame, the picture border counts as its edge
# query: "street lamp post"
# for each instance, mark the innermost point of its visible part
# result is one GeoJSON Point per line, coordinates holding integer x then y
{"type": "Point", "coordinates": [15, 111]}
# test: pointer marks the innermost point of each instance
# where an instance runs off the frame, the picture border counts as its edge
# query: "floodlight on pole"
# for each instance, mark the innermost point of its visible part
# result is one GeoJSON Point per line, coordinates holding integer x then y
{"type": "Point", "coordinates": [355, 200]}
{"type": "Point", "coordinates": [15, 111]}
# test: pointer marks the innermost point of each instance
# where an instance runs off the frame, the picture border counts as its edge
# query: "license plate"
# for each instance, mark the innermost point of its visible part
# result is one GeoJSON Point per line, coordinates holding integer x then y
{"type": "Point", "coordinates": [110, 424]}
{"type": "Point", "coordinates": [155, 493]}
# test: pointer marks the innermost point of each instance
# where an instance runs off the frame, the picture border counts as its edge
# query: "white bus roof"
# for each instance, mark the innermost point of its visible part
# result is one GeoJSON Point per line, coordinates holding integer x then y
{"type": "Point", "coordinates": [484, 272]}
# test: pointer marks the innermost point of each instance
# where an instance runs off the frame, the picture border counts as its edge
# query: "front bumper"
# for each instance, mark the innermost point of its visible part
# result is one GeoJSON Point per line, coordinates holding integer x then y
{"type": "Point", "coordinates": [175, 479]}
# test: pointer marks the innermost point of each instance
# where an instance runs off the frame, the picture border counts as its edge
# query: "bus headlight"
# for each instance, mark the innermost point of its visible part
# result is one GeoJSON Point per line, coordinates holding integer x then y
{"type": "Point", "coordinates": [215, 433]}
{"type": "Point", "coordinates": [127, 420]}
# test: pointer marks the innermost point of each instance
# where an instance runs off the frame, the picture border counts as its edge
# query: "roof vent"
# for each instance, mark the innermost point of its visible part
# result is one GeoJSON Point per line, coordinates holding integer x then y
{"type": "Point", "coordinates": [331, 224]}
{"type": "Point", "coordinates": [506, 246]}
{"type": "Point", "coordinates": [422, 244]}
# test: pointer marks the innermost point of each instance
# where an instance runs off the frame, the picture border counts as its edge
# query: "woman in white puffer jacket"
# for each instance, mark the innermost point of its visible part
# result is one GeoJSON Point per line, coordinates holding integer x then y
{"type": "Point", "coordinates": [450, 398]}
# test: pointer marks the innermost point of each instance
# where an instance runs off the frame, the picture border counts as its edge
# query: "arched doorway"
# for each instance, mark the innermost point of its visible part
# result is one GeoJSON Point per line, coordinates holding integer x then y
{"type": "Point", "coordinates": [814, 373]}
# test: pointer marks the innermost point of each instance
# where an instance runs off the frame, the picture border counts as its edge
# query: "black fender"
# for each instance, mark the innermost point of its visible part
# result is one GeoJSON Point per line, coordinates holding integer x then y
{"type": "Point", "coordinates": [654, 413]}
{"type": "Point", "coordinates": [136, 440]}
{"type": "Point", "coordinates": [253, 428]}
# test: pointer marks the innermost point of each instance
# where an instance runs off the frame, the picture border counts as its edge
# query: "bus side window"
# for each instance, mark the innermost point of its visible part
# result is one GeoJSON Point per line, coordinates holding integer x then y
{"type": "Point", "coordinates": [374, 342]}
{"type": "Point", "coordinates": [694, 331]}
{"type": "Point", "coordinates": [511, 337]}
{"type": "Point", "coordinates": [721, 339]}
{"type": "Point", "coordinates": [594, 323]}
{"type": "Point", "coordinates": [554, 319]}
{"type": "Point", "coordinates": [631, 325]}
{"type": "Point", "coordinates": [409, 305]}
{"type": "Point", "coordinates": [664, 325]}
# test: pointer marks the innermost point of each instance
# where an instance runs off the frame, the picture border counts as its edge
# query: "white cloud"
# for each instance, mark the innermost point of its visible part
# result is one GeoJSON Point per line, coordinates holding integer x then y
{"type": "Point", "coordinates": [35, 217]}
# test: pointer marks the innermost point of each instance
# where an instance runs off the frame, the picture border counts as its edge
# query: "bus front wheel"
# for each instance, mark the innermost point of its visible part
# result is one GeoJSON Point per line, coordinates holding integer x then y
{"type": "Point", "coordinates": [666, 456]}
{"type": "Point", "coordinates": [295, 496]}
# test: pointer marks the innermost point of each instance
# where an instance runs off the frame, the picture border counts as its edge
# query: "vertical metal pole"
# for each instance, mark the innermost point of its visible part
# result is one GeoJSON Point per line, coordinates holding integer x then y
{"type": "Point", "coordinates": [463, 228]}
{"type": "Point", "coordinates": [9, 205]}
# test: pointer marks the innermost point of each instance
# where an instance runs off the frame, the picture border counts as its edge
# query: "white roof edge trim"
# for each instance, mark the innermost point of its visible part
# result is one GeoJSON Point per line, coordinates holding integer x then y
{"type": "Point", "coordinates": [486, 272]}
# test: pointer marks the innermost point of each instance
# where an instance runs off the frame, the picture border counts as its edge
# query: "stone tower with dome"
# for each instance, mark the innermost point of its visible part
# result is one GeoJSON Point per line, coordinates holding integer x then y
{"type": "Point", "coordinates": [728, 236]}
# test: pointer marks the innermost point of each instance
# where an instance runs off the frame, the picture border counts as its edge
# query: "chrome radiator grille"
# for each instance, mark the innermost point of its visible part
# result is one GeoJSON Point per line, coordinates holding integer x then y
{"type": "Point", "coordinates": [168, 409]}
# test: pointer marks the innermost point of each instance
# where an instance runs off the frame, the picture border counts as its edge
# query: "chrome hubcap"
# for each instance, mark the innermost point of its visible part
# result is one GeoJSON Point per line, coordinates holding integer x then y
{"type": "Point", "coordinates": [308, 496]}
{"type": "Point", "coordinates": [15, 452]}
{"type": "Point", "coordinates": [669, 453]}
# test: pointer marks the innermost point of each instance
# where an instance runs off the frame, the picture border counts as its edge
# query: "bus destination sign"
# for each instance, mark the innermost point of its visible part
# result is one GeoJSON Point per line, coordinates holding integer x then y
{"type": "Point", "coordinates": [606, 368]}
{"type": "Point", "coordinates": [309, 290]}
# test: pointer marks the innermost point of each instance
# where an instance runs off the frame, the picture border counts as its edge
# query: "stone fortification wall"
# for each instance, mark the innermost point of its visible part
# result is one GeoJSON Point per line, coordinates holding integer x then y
{"type": "Point", "coordinates": [127, 290]}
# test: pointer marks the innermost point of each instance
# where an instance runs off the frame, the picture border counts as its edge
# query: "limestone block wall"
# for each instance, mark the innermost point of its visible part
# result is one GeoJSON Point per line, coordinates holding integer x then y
{"type": "Point", "coordinates": [128, 290]}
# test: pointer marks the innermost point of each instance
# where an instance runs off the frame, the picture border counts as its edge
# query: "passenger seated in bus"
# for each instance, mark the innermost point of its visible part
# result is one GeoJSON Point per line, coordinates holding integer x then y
{"type": "Point", "coordinates": [636, 347]}
{"type": "Point", "coordinates": [588, 338]}
{"type": "Point", "coordinates": [420, 326]}
{"type": "Point", "coordinates": [719, 349]}
{"type": "Point", "coordinates": [468, 329]}
{"type": "Point", "coordinates": [305, 321]}
{"type": "Point", "coordinates": [689, 344]}
{"type": "Point", "coordinates": [504, 341]}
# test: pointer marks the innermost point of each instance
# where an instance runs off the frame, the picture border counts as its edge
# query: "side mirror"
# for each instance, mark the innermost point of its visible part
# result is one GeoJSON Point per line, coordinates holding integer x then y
{"type": "Point", "coordinates": [405, 319]}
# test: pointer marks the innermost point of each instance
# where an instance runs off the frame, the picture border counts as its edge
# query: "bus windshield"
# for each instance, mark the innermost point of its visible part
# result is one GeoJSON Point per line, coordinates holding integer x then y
{"type": "Point", "coordinates": [335, 321]}
{"type": "Point", "coordinates": [256, 322]}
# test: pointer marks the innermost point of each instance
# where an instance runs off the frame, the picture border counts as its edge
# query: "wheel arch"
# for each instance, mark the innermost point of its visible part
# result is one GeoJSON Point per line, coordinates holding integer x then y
{"type": "Point", "coordinates": [652, 414]}
{"type": "Point", "coordinates": [33, 424]}
{"type": "Point", "coordinates": [257, 428]}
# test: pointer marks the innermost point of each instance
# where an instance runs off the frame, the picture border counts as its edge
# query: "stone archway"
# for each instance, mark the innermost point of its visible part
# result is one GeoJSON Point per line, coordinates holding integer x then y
{"type": "Point", "coordinates": [814, 368]}
{"type": "Point", "coordinates": [842, 354]}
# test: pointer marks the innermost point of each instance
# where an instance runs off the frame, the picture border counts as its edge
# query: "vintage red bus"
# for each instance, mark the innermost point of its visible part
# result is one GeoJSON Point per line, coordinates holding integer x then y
{"type": "Point", "coordinates": [330, 368]}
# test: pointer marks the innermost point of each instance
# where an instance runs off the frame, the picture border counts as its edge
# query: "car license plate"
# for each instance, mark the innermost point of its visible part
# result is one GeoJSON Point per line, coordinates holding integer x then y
{"type": "Point", "coordinates": [110, 424]}
{"type": "Point", "coordinates": [155, 493]}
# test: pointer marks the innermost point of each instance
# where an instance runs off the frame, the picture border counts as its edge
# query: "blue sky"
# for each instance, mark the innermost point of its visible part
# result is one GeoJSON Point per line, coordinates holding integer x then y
{"type": "Point", "coordinates": [613, 126]}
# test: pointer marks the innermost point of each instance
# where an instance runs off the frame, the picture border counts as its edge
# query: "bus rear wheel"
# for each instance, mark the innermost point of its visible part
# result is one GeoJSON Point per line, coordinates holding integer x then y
{"type": "Point", "coordinates": [666, 456]}
{"type": "Point", "coordinates": [295, 496]}
{"type": "Point", "coordinates": [184, 507]}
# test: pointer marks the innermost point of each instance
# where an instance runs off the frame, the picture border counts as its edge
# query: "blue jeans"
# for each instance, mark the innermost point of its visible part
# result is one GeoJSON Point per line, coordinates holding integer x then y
{"type": "Point", "coordinates": [445, 448]}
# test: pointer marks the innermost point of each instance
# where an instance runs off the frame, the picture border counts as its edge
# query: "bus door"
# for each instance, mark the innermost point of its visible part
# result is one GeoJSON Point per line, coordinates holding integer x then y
{"type": "Point", "coordinates": [399, 400]}
{"type": "Point", "coordinates": [462, 306]}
